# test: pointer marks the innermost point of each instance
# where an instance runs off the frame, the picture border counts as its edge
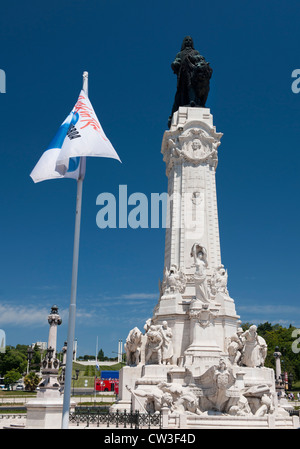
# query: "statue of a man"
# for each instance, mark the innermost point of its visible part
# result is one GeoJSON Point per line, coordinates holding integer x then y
{"type": "Point", "coordinates": [255, 348]}
{"type": "Point", "coordinates": [193, 75]}
{"type": "Point", "coordinates": [167, 347]}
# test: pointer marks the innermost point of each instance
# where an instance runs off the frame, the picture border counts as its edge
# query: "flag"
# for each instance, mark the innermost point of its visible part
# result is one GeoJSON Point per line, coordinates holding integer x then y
{"type": "Point", "coordinates": [80, 135]}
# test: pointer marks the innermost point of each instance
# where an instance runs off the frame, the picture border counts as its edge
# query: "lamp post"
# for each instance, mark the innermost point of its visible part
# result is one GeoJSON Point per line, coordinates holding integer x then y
{"type": "Point", "coordinates": [30, 352]}
{"type": "Point", "coordinates": [284, 372]}
{"type": "Point", "coordinates": [290, 381]}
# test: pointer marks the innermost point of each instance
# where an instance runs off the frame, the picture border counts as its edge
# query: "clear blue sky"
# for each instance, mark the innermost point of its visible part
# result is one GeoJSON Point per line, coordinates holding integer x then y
{"type": "Point", "coordinates": [127, 48]}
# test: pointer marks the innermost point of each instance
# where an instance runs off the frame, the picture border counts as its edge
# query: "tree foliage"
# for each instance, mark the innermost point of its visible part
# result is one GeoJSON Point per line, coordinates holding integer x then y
{"type": "Point", "coordinates": [31, 381]}
{"type": "Point", "coordinates": [12, 376]}
{"type": "Point", "coordinates": [13, 359]}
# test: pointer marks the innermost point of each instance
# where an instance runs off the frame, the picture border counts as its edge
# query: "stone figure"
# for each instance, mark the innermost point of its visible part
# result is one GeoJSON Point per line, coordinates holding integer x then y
{"type": "Point", "coordinates": [154, 344]}
{"type": "Point", "coordinates": [133, 346]}
{"type": "Point", "coordinates": [217, 389]}
{"type": "Point", "coordinates": [224, 379]}
{"type": "Point", "coordinates": [167, 347]}
{"type": "Point", "coordinates": [162, 395]}
{"type": "Point", "coordinates": [199, 254]}
{"type": "Point", "coordinates": [235, 347]}
{"type": "Point", "coordinates": [159, 346]}
{"type": "Point", "coordinates": [218, 282]}
{"type": "Point", "coordinates": [193, 76]}
{"type": "Point", "coordinates": [174, 280]}
{"type": "Point", "coordinates": [188, 403]}
{"type": "Point", "coordinates": [255, 348]}
{"type": "Point", "coordinates": [260, 399]}
{"type": "Point", "coordinates": [148, 324]}
{"type": "Point", "coordinates": [177, 398]}
{"type": "Point", "coordinates": [265, 407]}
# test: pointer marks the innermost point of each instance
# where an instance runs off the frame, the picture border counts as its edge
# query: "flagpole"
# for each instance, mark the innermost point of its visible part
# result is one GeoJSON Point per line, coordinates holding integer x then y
{"type": "Point", "coordinates": [72, 307]}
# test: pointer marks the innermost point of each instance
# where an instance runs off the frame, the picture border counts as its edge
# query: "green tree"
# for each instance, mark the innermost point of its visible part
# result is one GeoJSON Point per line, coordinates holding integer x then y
{"type": "Point", "coordinates": [31, 381]}
{"type": "Point", "coordinates": [100, 355]}
{"type": "Point", "coordinates": [12, 377]}
{"type": "Point", "coordinates": [13, 359]}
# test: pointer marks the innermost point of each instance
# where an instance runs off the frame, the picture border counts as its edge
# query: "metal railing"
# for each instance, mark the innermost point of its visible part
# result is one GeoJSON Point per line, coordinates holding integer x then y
{"type": "Point", "coordinates": [103, 417]}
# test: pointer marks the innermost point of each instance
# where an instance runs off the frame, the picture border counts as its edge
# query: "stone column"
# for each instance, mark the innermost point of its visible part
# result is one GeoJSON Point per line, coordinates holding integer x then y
{"type": "Point", "coordinates": [190, 151]}
{"type": "Point", "coordinates": [279, 382]}
{"type": "Point", "coordinates": [45, 411]}
{"type": "Point", "coordinates": [54, 320]}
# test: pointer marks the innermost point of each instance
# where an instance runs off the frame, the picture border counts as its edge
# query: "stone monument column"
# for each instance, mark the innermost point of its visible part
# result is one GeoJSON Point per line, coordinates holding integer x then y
{"type": "Point", "coordinates": [45, 411]}
{"type": "Point", "coordinates": [54, 320]}
{"type": "Point", "coordinates": [192, 242]}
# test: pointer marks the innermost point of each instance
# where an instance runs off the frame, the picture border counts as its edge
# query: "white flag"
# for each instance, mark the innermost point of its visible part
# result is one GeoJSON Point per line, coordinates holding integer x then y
{"type": "Point", "coordinates": [79, 135]}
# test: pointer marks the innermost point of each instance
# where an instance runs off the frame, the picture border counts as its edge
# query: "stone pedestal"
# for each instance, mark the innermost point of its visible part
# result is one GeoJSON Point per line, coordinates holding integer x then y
{"type": "Point", "coordinates": [127, 380]}
{"type": "Point", "coordinates": [44, 413]}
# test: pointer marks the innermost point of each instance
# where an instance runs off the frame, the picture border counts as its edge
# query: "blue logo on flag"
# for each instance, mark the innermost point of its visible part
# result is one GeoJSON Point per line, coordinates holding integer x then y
{"type": "Point", "coordinates": [58, 140]}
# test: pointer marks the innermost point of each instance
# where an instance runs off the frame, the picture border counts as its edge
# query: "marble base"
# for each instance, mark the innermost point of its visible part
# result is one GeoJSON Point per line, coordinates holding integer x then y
{"type": "Point", "coordinates": [44, 413]}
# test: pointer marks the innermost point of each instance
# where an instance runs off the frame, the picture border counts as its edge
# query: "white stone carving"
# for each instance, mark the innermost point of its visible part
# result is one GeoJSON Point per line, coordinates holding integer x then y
{"type": "Point", "coordinates": [167, 347]}
{"type": "Point", "coordinates": [199, 254]}
{"type": "Point", "coordinates": [255, 348]}
{"type": "Point", "coordinates": [204, 315]}
{"type": "Point", "coordinates": [218, 281]}
{"type": "Point", "coordinates": [195, 145]}
{"type": "Point", "coordinates": [247, 348]}
{"type": "Point", "coordinates": [235, 346]}
{"type": "Point", "coordinates": [133, 346]}
{"type": "Point", "coordinates": [174, 281]}
{"type": "Point", "coordinates": [159, 347]}
{"type": "Point", "coordinates": [178, 398]}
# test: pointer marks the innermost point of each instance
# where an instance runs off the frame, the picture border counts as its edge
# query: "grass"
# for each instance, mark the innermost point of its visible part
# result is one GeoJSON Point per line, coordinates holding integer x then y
{"type": "Point", "coordinates": [4, 393]}
{"type": "Point", "coordinates": [12, 411]}
{"type": "Point", "coordinates": [88, 373]}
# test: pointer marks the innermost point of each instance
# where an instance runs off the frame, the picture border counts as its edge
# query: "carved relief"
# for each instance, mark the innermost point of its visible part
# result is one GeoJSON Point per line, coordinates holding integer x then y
{"type": "Point", "coordinates": [205, 316]}
{"type": "Point", "coordinates": [218, 281]}
{"type": "Point", "coordinates": [177, 398]}
{"type": "Point", "coordinates": [174, 281]}
{"type": "Point", "coordinates": [194, 145]}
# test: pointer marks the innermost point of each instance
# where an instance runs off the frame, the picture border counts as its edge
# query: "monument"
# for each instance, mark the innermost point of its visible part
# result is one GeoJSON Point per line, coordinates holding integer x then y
{"type": "Point", "coordinates": [193, 361]}
{"type": "Point", "coordinates": [45, 411]}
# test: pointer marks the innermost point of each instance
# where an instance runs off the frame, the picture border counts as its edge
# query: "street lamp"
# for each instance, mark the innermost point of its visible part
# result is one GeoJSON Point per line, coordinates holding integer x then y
{"type": "Point", "coordinates": [30, 353]}
{"type": "Point", "coordinates": [283, 377]}
{"type": "Point", "coordinates": [290, 381]}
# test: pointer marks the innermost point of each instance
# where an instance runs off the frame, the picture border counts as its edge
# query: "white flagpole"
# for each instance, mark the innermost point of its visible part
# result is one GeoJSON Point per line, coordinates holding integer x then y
{"type": "Point", "coordinates": [72, 308]}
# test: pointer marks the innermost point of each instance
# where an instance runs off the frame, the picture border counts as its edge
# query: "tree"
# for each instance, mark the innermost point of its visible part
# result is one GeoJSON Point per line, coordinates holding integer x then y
{"type": "Point", "coordinates": [100, 355]}
{"type": "Point", "coordinates": [31, 381]}
{"type": "Point", "coordinates": [13, 359]}
{"type": "Point", "coordinates": [12, 376]}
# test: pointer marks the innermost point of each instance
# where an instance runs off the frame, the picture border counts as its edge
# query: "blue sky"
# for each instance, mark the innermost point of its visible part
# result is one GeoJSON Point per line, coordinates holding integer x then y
{"type": "Point", "coordinates": [127, 48]}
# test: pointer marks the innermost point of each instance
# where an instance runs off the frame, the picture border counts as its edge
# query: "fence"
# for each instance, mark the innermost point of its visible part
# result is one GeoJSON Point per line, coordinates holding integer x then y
{"type": "Point", "coordinates": [101, 417]}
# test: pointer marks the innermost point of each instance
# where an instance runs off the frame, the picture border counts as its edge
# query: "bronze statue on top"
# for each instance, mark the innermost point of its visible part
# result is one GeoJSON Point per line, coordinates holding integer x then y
{"type": "Point", "coordinates": [193, 75]}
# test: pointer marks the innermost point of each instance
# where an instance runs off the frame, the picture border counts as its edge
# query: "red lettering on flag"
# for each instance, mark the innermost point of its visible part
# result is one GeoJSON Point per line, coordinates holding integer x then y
{"type": "Point", "coordinates": [86, 117]}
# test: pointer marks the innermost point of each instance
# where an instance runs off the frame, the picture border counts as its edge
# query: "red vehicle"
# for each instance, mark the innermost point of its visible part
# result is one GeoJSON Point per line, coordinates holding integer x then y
{"type": "Point", "coordinates": [109, 381]}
